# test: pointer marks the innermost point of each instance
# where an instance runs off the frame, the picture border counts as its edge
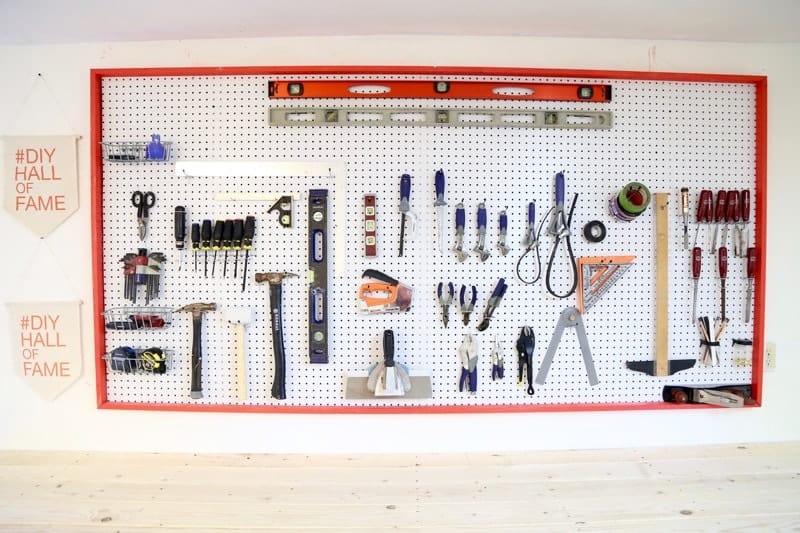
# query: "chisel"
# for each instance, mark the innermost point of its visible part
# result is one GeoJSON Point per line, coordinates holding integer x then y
{"type": "Point", "coordinates": [685, 212]}
{"type": "Point", "coordinates": [751, 272]}
{"type": "Point", "coordinates": [719, 218]}
{"type": "Point", "coordinates": [744, 237]}
{"type": "Point", "coordinates": [195, 241]}
{"type": "Point", "coordinates": [697, 258]}
{"type": "Point", "coordinates": [216, 242]}
{"type": "Point", "coordinates": [722, 264]}
{"type": "Point", "coordinates": [227, 237]}
{"type": "Point", "coordinates": [405, 207]}
{"type": "Point", "coordinates": [205, 244]}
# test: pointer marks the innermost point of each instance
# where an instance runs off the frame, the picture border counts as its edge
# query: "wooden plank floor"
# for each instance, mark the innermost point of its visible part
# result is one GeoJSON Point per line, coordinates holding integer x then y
{"type": "Point", "coordinates": [753, 487]}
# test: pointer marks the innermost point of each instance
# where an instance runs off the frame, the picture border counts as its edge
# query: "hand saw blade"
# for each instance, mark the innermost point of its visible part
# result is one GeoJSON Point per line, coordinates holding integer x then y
{"type": "Point", "coordinates": [596, 275]}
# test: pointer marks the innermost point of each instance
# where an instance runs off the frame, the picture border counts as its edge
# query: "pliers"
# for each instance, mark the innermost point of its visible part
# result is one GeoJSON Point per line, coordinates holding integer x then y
{"type": "Point", "coordinates": [468, 353]}
{"type": "Point", "coordinates": [526, 344]}
{"type": "Point", "coordinates": [445, 299]}
{"type": "Point", "coordinates": [467, 305]}
{"type": "Point", "coordinates": [497, 361]}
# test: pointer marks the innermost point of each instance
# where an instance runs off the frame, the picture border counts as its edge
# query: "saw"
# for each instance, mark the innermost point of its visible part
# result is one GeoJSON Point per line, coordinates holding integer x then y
{"type": "Point", "coordinates": [386, 295]}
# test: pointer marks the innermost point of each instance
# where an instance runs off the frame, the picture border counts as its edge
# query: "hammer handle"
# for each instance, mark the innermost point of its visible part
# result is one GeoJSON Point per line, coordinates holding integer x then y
{"type": "Point", "coordinates": [197, 355]}
{"type": "Point", "coordinates": [279, 381]}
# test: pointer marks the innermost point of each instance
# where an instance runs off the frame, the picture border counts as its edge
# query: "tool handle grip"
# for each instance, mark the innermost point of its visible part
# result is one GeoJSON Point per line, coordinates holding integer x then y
{"type": "Point", "coordinates": [180, 226]}
{"type": "Point", "coordinates": [560, 188]}
{"type": "Point", "coordinates": [685, 200]}
{"type": "Point", "coordinates": [719, 213]}
{"type": "Point", "coordinates": [732, 213]}
{"type": "Point", "coordinates": [249, 232]}
{"type": "Point", "coordinates": [195, 236]}
{"type": "Point", "coordinates": [461, 217]}
{"type": "Point", "coordinates": [206, 234]}
{"type": "Point", "coordinates": [197, 356]}
{"type": "Point", "coordinates": [388, 348]}
{"type": "Point", "coordinates": [531, 213]}
{"type": "Point", "coordinates": [722, 262]}
{"type": "Point", "coordinates": [751, 262]}
{"type": "Point", "coordinates": [481, 215]}
{"type": "Point", "coordinates": [216, 239]}
{"type": "Point", "coordinates": [697, 255]}
{"type": "Point", "coordinates": [705, 206]}
{"type": "Point", "coordinates": [227, 234]}
{"type": "Point", "coordinates": [438, 182]}
{"type": "Point", "coordinates": [405, 187]}
{"type": "Point", "coordinates": [380, 276]}
{"type": "Point", "coordinates": [462, 293]}
{"type": "Point", "coordinates": [744, 201]}
{"type": "Point", "coordinates": [238, 233]}
{"type": "Point", "coordinates": [503, 221]}
{"type": "Point", "coordinates": [499, 289]}
{"type": "Point", "coordinates": [279, 353]}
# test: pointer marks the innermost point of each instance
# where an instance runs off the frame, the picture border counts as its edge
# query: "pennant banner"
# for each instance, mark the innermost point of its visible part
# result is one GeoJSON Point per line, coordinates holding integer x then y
{"type": "Point", "coordinates": [40, 180]}
{"type": "Point", "coordinates": [46, 344]}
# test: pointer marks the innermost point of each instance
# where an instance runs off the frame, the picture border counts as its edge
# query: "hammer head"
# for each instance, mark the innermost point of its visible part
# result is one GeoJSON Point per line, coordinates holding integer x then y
{"type": "Point", "coordinates": [197, 308]}
{"type": "Point", "coordinates": [238, 315]}
{"type": "Point", "coordinates": [273, 278]}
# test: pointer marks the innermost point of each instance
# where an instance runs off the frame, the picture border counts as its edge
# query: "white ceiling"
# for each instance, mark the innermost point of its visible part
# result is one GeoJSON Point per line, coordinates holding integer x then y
{"type": "Point", "coordinates": [76, 21]}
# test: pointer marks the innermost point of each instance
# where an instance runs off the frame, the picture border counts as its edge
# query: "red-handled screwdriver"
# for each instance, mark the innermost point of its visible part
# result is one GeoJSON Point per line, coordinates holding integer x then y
{"type": "Point", "coordinates": [731, 217]}
{"type": "Point", "coordinates": [751, 272]}
{"type": "Point", "coordinates": [704, 211]}
{"type": "Point", "coordinates": [719, 217]}
{"type": "Point", "coordinates": [722, 264]}
{"type": "Point", "coordinates": [697, 259]}
{"type": "Point", "coordinates": [744, 237]}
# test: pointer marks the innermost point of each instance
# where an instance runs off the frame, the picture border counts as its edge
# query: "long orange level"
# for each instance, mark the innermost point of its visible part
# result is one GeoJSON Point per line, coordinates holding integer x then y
{"type": "Point", "coordinates": [466, 90]}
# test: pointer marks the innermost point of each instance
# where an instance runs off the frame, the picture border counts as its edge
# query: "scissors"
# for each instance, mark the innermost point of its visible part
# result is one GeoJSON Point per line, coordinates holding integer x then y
{"type": "Point", "coordinates": [143, 202]}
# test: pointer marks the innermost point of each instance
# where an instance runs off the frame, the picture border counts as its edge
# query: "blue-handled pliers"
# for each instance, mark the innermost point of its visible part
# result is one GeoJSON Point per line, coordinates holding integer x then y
{"type": "Point", "coordinates": [445, 293]}
{"type": "Point", "coordinates": [467, 304]}
{"type": "Point", "coordinates": [468, 353]}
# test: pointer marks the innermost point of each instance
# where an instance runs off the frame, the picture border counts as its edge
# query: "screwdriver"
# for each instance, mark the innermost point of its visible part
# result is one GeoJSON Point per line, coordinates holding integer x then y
{"type": "Point", "coordinates": [697, 259]}
{"type": "Point", "coordinates": [685, 212]}
{"type": "Point", "coordinates": [719, 216]}
{"type": "Point", "coordinates": [180, 231]}
{"type": "Point", "coordinates": [247, 243]}
{"type": "Point", "coordinates": [227, 235]}
{"type": "Point", "coordinates": [751, 272]}
{"type": "Point", "coordinates": [405, 197]}
{"type": "Point", "coordinates": [236, 243]}
{"type": "Point", "coordinates": [216, 242]}
{"type": "Point", "coordinates": [744, 238]}
{"type": "Point", "coordinates": [205, 244]}
{"type": "Point", "coordinates": [731, 216]}
{"type": "Point", "coordinates": [704, 211]}
{"type": "Point", "coordinates": [195, 241]}
{"type": "Point", "coordinates": [722, 264]}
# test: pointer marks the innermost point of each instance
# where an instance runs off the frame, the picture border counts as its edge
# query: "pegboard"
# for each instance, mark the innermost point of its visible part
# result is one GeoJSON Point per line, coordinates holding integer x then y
{"type": "Point", "coordinates": [669, 131]}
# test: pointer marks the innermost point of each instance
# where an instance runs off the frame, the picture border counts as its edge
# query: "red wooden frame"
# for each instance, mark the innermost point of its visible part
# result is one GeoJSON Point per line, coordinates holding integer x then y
{"type": "Point", "coordinates": [96, 78]}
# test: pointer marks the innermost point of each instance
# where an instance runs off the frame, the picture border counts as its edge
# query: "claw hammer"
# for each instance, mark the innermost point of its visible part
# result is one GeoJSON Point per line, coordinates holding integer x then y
{"type": "Point", "coordinates": [197, 310]}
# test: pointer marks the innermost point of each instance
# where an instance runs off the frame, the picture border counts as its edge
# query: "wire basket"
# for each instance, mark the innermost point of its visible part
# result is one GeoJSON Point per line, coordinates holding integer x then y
{"type": "Point", "coordinates": [128, 360]}
{"type": "Point", "coordinates": [132, 151]}
{"type": "Point", "coordinates": [136, 318]}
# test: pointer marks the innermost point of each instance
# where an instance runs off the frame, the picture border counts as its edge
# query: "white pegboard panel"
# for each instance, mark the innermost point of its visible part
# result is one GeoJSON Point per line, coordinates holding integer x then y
{"type": "Point", "coordinates": [665, 135]}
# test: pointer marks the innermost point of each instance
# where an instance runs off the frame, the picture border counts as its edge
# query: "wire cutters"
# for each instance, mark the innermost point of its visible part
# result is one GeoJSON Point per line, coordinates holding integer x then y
{"type": "Point", "coordinates": [467, 305]}
{"type": "Point", "coordinates": [445, 299]}
{"type": "Point", "coordinates": [143, 201]}
{"type": "Point", "coordinates": [468, 353]}
{"type": "Point", "coordinates": [526, 344]}
{"type": "Point", "coordinates": [498, 369]}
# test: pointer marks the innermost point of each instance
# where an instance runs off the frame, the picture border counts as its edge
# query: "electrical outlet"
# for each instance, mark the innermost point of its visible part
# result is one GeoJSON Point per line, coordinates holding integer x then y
{"type": "Point", "coordinates": [770, 361]}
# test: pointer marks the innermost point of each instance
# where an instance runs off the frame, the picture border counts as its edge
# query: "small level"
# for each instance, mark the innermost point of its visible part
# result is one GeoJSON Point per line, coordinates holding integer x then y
{"type": "Point", "coordinates": [465, 90]}
{"type": "Point", "coordinates": [319, 116]}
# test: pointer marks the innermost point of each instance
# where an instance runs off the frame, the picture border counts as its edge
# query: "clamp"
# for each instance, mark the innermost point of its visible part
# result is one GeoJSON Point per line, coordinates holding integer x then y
{"type": "Point", "coordinates": [570, 317]}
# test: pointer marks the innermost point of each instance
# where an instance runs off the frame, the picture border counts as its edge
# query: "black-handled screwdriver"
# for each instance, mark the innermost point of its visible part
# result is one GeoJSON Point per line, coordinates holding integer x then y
{"type": "Point", "coordinates": [205, 244]}
{"type": "Point", "coordinates": [180, 231]}
{"type": "Point", "coordinates": [216, 242]}
{"type": "Point", "coordinates": [236, 243]}
{"type": "Point", "coordinates": [195, 241]}
{"type": "Point", "coordinates": [227, 235]}
{"type": "Point", "coordinates": [247, 244]}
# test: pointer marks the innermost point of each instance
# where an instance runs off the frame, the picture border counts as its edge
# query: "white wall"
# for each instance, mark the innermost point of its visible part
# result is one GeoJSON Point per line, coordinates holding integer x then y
{"type": "Point", "coordinates": [73, 422]}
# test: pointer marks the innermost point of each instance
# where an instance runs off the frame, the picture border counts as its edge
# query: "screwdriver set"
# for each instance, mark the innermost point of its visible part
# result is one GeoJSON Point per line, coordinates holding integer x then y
{"type": "Point", "coordinates": [472, 227]}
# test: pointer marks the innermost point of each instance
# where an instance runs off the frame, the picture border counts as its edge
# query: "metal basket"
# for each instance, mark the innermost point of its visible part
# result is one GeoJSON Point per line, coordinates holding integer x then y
{"type": "Point", "coordinates": [132, 151]}
{"type": "Point", "coordinates": [136, 318]}
{"type": "Point", "coordinates": [128, 360]}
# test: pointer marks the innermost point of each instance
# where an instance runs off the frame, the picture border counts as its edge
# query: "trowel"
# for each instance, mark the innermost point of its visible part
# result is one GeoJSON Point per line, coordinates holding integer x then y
{"type": "Point", "coordinates": [387, 378]}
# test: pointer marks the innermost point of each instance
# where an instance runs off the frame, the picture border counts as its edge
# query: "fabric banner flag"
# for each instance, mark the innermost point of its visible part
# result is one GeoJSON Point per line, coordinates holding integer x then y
{"type": "Point", "coordinates": [40, 180]}
{"type": "Point", "coordinates": [46, 344]}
